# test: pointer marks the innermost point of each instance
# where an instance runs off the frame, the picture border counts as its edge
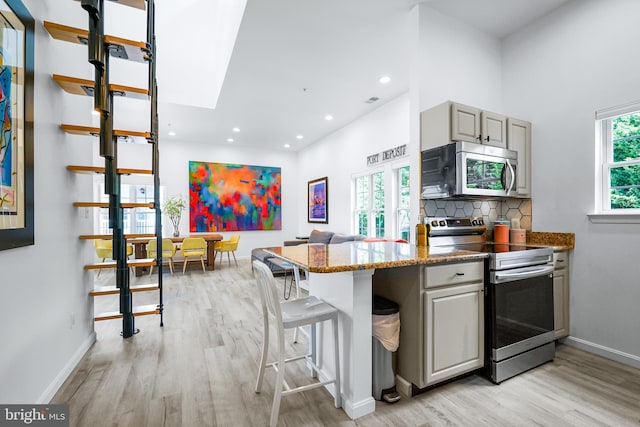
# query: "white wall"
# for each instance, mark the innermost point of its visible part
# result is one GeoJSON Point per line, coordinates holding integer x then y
{"type": "Point", "coordinates": [45, 313]}
{"type": "Point", "coordinates": [174, 161]}
{"type": "Point", "coordinates": [457, 63]}
{"type": "Point", "coordinates": [344, 153]}
{"type": "Point", "coordinates": [557, 73]}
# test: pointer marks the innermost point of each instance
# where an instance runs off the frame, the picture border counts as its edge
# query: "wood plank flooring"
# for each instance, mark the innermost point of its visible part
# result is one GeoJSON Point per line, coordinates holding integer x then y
{"type": "Point", "coordinates": [200, 369]}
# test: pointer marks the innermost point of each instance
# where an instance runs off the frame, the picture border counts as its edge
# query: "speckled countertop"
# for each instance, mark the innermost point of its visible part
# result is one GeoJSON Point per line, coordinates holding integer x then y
{"type": "Point", "coordinates": [351, 256]}
{"type": "Point", "coordinates": [559, 241]}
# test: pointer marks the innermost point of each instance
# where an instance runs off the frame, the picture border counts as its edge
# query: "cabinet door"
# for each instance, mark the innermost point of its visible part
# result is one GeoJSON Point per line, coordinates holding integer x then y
{"type": "Point", "coordinates": [494, 129]}
{"type": "Point", "coordinates": [561, 296]}
{"type": "Point", "coordinates": [465, 123]}
{"type": "Point", "coordinates": [519, 139]}
{"type": "Point", "coordinates": [454, 331]}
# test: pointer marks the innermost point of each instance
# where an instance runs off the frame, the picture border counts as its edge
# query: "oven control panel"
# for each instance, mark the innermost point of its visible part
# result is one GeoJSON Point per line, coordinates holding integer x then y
{"type": "Point", "coordinates": [443, 226]}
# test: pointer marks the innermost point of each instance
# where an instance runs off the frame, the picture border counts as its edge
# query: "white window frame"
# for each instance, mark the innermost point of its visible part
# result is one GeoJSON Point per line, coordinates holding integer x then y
{"type": "Point", "coordinates": [604, 162]}
{"type": "Point", "coordinates": [131, 196]}
{"type": "Point", "coordinates": [391, 176]}
{"type": "Point", "coordinates": [396, 208]}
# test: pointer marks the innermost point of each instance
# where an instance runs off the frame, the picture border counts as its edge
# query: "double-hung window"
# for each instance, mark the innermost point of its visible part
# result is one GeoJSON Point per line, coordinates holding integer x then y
{"type": "Point", "coordinates": [619, 160]}
{"type": "Point", "coordinates": [369, 206]}
{"type": "Point", "coordinates": [382, 203]}
{"type": "Point", "coordinates": [403, 212]}
{"type": "Point", "coordinates": [135, 220]}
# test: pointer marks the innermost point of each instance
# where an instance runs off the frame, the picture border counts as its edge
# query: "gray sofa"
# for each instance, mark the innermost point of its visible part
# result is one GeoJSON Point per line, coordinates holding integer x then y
{"type": "Point", "coordinates": [316, 236]}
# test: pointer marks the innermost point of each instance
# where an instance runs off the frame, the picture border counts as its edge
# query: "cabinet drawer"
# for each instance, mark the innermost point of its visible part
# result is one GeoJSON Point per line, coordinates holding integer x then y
{"type": "Point", "coordinates": [452, 274]}
{"type": "Point", "coordinates": [560, 260]}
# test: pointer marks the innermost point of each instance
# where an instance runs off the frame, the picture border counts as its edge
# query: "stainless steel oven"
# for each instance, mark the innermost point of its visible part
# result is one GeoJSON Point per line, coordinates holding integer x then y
{"type": "Point", "coordinates": [519, 327]}
{"type": "Point", "coordinates": [519, 314]}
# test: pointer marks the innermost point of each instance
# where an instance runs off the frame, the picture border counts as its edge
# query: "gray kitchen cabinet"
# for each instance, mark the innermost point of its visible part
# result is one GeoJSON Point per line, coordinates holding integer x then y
{"type": "Point", "coordinates": [441, 319]}
{"type": "Point", "coordinates": [454, 331]}
{"type": "Point", "coordinates": [519, 139]}
{"type": "Point", "coordinates": [561, 293]}
{"type": "Point", "coordinates": [452, 121]}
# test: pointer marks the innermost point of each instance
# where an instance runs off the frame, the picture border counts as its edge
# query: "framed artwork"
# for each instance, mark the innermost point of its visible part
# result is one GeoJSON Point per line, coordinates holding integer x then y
{"type": "Point", "coordinates": [318, 201]}
{"type": "Point", "coordinates": [230, 197]}
{"type": "Point", "coordinates": [16, 125]}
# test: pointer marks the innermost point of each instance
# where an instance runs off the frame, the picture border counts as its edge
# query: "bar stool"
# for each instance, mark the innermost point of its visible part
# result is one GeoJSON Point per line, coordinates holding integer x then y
{"type": "Point", "coordinates": [288, 315]}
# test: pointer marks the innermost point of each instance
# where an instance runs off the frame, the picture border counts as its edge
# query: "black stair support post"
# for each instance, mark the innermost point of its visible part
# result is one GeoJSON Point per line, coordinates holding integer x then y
{"type": "Point", "coordinates": [95, 9]}
{"type": "Point", "coordinates": [155, 162]}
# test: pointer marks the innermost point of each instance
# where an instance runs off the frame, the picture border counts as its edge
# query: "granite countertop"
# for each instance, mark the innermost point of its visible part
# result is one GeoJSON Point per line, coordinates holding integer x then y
{"type": "Point", "coordinates": [351, 256]}
{"type": "Point", "coordinates": [559, 241]}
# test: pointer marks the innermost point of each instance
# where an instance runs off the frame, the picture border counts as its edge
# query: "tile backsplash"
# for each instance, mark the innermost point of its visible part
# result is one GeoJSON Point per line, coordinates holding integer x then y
{"type": "Point", "coordinates": [489, 210]}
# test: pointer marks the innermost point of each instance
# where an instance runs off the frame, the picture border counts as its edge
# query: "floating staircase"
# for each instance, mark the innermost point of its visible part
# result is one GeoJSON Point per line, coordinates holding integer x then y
{"type": "Point", "coordinates": [101, 47]}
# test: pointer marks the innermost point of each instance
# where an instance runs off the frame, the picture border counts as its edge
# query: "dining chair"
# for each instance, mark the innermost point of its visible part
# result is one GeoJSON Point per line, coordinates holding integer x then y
{"type": "Point", "coordinates": [287, 315]}
{"type": "Point", "coordinates": [228, 246]}
{"type": "Point", "coordinates": [104, 250]}
{"type": "Point", "coordinates": [193, 247]}
{"type": "Point", "coordinates": [168, 251]}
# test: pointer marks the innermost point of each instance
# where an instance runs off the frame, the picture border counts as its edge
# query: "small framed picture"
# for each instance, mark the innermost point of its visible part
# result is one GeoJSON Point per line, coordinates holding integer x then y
{"type": "Point", "coordinates": [318, 200]}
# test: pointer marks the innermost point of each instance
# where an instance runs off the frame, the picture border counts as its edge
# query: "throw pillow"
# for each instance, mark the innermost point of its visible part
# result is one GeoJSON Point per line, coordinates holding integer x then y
{"type": "Point", "coordinates": [318, 236]}
{"type": "Point", "coordinates": [341, 238]}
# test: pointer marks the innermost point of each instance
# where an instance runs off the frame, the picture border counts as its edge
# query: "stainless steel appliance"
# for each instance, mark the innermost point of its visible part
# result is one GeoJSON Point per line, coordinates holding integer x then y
{"type": "Point", "coordinates": [518, 297]}
{"type": "Point", "coordinates": [468, 169]}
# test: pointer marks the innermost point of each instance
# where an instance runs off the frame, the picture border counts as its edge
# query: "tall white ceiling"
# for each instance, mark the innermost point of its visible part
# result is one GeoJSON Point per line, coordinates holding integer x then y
{"type": "Point", "coordinates": [295, 61]}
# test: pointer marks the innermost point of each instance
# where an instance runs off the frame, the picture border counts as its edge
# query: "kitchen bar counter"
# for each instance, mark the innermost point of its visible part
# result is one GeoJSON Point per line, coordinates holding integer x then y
{"type": "Point", "coordinates": [340, 274]}
{"type": "Point", "coordinates": [352, 256]}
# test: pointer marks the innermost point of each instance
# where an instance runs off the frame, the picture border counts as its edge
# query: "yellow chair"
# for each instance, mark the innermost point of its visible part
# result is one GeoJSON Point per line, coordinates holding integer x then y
{"type": "Point", "coordinates": [228, 246]}
{"type": "Point", "coordinates": [104, 250]}
{"type": "Point", "coordinates": [168, 251]}
{"type": "Point", "coordinates": [192, 247]}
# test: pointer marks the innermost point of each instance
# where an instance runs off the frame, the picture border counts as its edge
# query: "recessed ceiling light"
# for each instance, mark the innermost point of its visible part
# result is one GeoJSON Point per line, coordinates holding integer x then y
{"type": "Point", "coordinates": [172, 133]}
{"type": "Point", "coordinates": [384, 80]}
{"type": "Point", "coordinates": [328, 117]}
{"type": "Point", "coordinates": [236, 129]}
{"type": "Point", "coordinates": [299, 136]}
{"type": "Point", "coordinates": [286, 146]}
{"type": "Point", "coordinates": [229, 139]}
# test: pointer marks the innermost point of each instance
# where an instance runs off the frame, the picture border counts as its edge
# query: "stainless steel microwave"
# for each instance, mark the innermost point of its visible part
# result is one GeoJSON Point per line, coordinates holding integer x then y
{"type": "Point", "coordinates": [468, 169]}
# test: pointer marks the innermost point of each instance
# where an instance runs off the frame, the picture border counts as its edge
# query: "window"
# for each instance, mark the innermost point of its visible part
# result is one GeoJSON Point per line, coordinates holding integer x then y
{"type": "Point", "coordinates": [135, 220]}
{"type": "Point", "coordinates": [374, 203]}
{"type": "Point", "coordinates": [619, 166]}
{"type": "Point", "coordinates": [403, 213]}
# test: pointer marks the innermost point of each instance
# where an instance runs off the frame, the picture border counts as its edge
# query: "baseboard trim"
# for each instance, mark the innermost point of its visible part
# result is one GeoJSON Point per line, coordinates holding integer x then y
{"type": "Point", "coordinates": [600, 350]}
{"type": "Point", "coordinates": [62, 376]}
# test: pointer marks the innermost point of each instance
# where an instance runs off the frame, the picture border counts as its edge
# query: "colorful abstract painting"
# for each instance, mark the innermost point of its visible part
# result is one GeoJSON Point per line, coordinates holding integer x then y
{"type": "Point", "coordinates": [228, 197]}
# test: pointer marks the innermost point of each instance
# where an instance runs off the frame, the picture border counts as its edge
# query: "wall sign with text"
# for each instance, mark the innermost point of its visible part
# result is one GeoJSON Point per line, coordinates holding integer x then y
{"type": "Point", "coordinates": [387, 155]}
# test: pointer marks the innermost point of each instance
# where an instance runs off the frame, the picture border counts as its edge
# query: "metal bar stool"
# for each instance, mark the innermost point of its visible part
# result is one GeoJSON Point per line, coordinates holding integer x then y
{"type": "Point", "coordinates": [288, 315]}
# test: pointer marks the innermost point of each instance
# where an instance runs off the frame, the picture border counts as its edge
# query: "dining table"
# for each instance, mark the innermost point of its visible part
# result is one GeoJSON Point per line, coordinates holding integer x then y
{"type": "Point", "coordinates": [140, 248]}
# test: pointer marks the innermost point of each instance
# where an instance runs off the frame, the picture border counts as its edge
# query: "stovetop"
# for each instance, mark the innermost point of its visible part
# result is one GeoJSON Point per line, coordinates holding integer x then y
{"type": "Point", "coordinates": [468, 234]}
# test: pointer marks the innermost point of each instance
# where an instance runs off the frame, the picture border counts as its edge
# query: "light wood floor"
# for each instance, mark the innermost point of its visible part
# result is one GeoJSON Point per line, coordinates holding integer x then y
{"type": "Point", "coordinates": [199, 370]}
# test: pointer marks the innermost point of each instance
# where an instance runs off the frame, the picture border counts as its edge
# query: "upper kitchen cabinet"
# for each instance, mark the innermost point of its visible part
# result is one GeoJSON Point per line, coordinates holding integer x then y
{"type": "Point", "coordinates": [452, 121]}
{"type": "Point", "coordinates": [519, 139]}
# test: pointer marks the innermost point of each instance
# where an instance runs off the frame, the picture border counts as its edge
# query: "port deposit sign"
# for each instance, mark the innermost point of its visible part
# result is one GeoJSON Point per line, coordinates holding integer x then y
{"type": "Point", "coordinates": [387, 155]}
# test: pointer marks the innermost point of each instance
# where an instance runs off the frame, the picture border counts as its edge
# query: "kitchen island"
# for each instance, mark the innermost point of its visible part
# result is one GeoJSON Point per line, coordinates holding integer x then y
{"type": "Point", "coordinates": [341, 274]}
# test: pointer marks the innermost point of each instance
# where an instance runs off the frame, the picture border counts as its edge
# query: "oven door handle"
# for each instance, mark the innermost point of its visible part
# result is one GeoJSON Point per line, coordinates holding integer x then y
{"type": "Point", "coordinates": [501, 276]}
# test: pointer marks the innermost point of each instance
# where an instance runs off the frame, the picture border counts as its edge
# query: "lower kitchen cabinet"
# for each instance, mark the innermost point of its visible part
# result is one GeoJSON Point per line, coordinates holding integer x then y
{"type": "Point", "coordinates": [441, 319]}
{"type": "Point", "coordinates": [561, 293]}
{"type": "Point", "coordinates": [454, 331]}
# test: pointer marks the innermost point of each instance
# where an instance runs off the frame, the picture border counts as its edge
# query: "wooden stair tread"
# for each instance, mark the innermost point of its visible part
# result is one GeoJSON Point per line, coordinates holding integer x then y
{"type": "Point", "coordinates": [100, 169]}
{"type": "Point", "coordinates": [137, 4]}
{"type": "Point", "coordinates": [141, 310]}
{"type": "Point", "coordinates": [134, 51]}
{"type": "Point", "coordinates": [112, 290]}
{"type": "Point", "coordinates": [106, 205]}
{"type": "Point", "coordinates": [109, 236]}
{"type": "Point", "coordinates": [94, 131]}
{"type": "Point", "coordinates": [138, 262]}
{"type": "Point", "coordinates": [84, 87]}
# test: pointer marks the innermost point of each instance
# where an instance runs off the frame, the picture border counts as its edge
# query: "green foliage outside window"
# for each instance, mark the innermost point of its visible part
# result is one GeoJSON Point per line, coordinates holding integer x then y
{"type": "Point", "coordinates": [625, 179]}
